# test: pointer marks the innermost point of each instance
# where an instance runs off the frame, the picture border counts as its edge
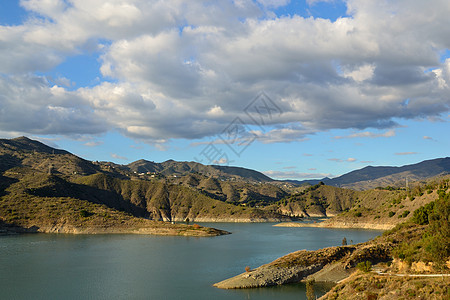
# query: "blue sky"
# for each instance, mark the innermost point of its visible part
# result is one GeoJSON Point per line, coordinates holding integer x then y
{"type": "Point", "coordinates": [295, 89]}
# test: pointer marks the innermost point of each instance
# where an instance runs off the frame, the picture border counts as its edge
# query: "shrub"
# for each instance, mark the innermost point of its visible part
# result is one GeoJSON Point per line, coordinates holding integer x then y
{"type": "Point", "coordinates": [391, 214]}
{"type": "Point", "coordinates": [358, 214]}
{"type": "Point", "coordinates": [420, 215]}
{"type": "Point", "coordinates": [405, 214]}
{"type": "Point", "coordinates": [247, 269]}
{"type": "Point", "coordinates": [196, 226]}
{"type": "Point", "coordinates": [364, 266]}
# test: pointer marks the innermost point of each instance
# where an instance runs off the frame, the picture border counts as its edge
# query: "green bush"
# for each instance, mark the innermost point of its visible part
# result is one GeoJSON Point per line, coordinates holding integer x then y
{"type": "Point", "coordinates": [364, 266]}
{"type": "Point", "coordinates": [391, 214]}
{"type": "Point", "coordinates": [420, 215]}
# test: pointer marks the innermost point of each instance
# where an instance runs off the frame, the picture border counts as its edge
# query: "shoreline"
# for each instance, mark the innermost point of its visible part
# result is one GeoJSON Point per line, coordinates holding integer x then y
{"type": "Point", "coordinates": [94, 230]}
{"type": "Point", "coordinates": [338, 225]}
{"type": "Point", "coordinates": [331, 264]}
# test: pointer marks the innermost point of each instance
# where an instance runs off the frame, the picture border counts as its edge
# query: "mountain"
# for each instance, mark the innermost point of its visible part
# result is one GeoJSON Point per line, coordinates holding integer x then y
{"type": "Point", "coordinates": [372, 177]}
{"type": "Point", "coordinates": [171, 168]}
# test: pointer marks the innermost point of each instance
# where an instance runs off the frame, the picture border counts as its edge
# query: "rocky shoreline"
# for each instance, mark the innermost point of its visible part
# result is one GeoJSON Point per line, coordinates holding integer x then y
{"type": "Point", "coordinates": [160, 229]}
{"type": "Point", "coordinates": [339, 224]}
{"type": "Point", "coordinates": [328, 265]}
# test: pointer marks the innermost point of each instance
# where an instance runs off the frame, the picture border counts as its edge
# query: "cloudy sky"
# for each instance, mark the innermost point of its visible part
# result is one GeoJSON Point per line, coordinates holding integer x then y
{"type": "Point", "coordinates": [296, 89]}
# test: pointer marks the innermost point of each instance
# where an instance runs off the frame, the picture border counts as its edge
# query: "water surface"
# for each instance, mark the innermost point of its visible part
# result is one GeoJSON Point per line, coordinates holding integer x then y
{"type": "Point", "coordinates": [58, 266]}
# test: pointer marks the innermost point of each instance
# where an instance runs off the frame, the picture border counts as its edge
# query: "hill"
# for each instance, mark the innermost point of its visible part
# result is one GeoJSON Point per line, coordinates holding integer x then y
{"type": "Point", "coordinates": [175, 168]}
{"type": "Point", "coordinates": [24, 152]}
{"type": "Point", "coordinates": [46, 189]}
{"type": "Point", "coordinates": [37, 202]}
{"type": "Point", "coordinates": [372, 177]}
{"type": "Point", "coordinates": [380, 208]}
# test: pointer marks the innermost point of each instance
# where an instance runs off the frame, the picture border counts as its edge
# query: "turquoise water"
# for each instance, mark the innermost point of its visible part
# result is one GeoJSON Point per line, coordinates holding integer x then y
{"type": "Point", "coordinates": [51, 266]}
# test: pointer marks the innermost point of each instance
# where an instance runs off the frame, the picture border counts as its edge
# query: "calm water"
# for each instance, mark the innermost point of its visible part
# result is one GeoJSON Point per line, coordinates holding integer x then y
{"type": "Point", "coordinates": [50, 266]}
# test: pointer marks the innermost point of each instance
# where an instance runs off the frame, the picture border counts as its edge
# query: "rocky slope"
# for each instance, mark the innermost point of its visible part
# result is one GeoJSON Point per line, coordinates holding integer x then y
{"type": "Point", "coordinates": [299, 265]}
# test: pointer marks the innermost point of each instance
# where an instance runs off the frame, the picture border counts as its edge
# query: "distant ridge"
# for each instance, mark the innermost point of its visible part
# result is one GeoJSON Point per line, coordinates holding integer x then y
{"type": "Point", "coordinates": [362, 179]}
{"type": "Point", "coordinates": [372, 177]}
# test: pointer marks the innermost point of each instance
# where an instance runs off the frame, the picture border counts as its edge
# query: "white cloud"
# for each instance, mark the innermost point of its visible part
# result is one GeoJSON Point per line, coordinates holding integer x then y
{"type": "Point", "coordinates": [286, 134]}
{"type": "Point", "coordinates": [368, 134]}
{"type": "Point", "coordinates": [295, 175]}
{"type": "Point", "coordinates": [183, 69]}
{"type": "Point", "coordinates": [93, 143]}
{"type": "Point", "coordinates": [116, 156]}
{"type": "Point", "coordinates": [350, 159]}
{"type": "Point", "coordinates": [405, 153]}
{"type": "Point", "coordinates": [29, 105]}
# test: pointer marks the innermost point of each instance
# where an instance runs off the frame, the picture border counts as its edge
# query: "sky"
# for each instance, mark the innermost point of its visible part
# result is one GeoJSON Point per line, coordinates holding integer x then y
{"type": "Point", "coordinates": [294, 89]}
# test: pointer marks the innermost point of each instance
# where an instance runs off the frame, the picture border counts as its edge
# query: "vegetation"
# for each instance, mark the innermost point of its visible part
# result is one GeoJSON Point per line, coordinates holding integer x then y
{"type": "Point", "coordinates": [364, 266]}
{"type": "Point", "coordinates": [434, 244]}
{"type": "Point", "coordinates": [310, 294]}
{"type": "Point", "coordinates": [365, 286]}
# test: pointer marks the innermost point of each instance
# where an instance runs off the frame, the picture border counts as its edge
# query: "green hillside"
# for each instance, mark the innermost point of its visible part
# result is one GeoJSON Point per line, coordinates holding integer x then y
{"type": "Point", "coordinates": [37, 202]}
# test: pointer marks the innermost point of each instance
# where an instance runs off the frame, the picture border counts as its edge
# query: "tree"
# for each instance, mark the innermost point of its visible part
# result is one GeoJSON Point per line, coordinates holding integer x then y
{"type": "Point", "coordinates": [344, 241]}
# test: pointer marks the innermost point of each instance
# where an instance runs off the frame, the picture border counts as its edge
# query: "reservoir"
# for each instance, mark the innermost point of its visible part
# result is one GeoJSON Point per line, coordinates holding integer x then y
{"type": "Point", "coordinates": [60, 266]}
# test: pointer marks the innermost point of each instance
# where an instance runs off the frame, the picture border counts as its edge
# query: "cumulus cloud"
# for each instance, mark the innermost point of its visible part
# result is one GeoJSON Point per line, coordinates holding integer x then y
{"type": "Point", "coordinates": [184, 69]}
{"type": "Point", "coordinates": [28, 104]}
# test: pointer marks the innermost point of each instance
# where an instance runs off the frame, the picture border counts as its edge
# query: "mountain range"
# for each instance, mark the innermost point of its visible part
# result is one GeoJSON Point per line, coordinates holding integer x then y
{"type": "Point", "coordinates": [362, 179]}
{"type": "Point", "coordinates": [38, 183]}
